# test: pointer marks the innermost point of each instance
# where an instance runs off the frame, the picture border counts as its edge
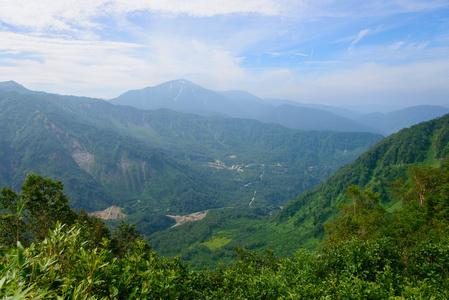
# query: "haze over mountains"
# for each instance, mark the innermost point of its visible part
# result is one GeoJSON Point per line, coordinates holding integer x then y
{"type": "Point", "coordinates": [184, 96]}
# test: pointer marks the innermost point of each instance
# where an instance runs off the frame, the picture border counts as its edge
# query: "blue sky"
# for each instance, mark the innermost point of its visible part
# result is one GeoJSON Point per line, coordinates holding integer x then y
{"type": "Point", "coordinates": [392, 52]}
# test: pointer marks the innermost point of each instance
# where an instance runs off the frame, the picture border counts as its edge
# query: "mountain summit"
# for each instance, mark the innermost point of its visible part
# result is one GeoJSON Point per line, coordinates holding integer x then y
{"type": "Point", "coordinates": [179, 95]}
{"type": "Point", "coordinates": [187, 97]}
{"type": "Point", "coordinates": [12, 86]}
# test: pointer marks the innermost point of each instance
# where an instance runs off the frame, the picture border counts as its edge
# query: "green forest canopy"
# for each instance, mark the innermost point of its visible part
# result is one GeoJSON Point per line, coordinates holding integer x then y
{"type": "Point", "coordinates": [368, 253]}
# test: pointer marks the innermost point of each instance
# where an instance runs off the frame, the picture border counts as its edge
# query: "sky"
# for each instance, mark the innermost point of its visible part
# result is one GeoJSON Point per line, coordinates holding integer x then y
{"type": "Point", "coordinates": [393, 52]}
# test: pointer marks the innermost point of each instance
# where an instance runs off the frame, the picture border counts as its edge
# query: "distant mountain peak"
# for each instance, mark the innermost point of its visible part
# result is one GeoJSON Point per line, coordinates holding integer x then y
{"type": "Point", "coordinates": [180, 82]}
{"type": "Point", "coordinates": [12, 86]}
{"type": "Point", "coordinates": [183, 81]}
{"type": "Point", "coordinates": [10, 83]}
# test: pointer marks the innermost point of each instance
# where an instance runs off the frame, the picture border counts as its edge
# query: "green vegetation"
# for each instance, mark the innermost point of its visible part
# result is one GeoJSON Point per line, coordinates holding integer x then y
{"type": "Point", "coordinates": [212, 240]}
{"type": "Point", "coordinates": [422, 144]}
{"type": "Point", "coordinates": [300, 224]}
{"type": "Point", "coordinates": [368, 254]}
{"type": "Point", "coordinates": [27, 217]}
{"type": "Point", "coordinates": [365, 233]}
{"type": "Point", "coordinates": [154, 161]}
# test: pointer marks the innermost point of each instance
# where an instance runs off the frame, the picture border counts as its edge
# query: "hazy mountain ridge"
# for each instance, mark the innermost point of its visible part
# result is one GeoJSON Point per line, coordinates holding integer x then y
{"type": "Point", "coordinates": [12, 86]}
{"type": "Point", "coordinates": [184, 96]}
{"type": "Point", "coordinates": [394, 121]}
{"type": "Point", "coordinates": [306, 118]}
{"type": "Point", "coordinates": [180, 95]}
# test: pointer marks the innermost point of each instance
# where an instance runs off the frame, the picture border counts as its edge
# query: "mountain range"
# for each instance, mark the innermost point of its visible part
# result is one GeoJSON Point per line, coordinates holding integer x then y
{"type": "Point", "coordinates": [246, 172]}
{"type": "Point", "coordinates": [159, 160]}
{"type": "Point", "coordinates": [300, 224]}
{"type": "Point", "coordinates": [184, 96]}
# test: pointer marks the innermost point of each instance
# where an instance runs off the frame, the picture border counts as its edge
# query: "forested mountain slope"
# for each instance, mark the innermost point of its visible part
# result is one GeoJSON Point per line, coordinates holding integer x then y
{"type": "Point", "coordinates": [301, 223]}
{"type": "Point", "coordinates": [98, 166]}
{"type": "Point", "coordinates": [425, 143]}
{"type": "Point", "coordinates": [158, 160]}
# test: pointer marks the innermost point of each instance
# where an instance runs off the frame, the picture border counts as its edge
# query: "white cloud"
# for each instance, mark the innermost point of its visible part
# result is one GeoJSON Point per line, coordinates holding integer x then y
{"type": "Point", "coordinates": [360, 36]}
{"type": "Point", "coordinates": [105, 69]}
{"type": "Point", "coordinates": [396, 46]}
{"type": "Point", "coordinates": [68, 46]}
{"type": "Point", "coordinates": [75, 15]}
{"type": "Point", "coordinates": [198, 8]}
{"type": "Point", "coordinates": [47, 14]}
{"type": "Point", "coordinates": [68, 64]}
{"type": "Point", "coordinates": [206, 64]}
{"type": "Point", "coordinates": [302, 54]}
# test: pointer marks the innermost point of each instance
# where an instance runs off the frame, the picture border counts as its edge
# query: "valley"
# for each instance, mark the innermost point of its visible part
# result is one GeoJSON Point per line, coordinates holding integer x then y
{"type": "Point", "coordinates": [112, 155]}
{"type": "Point", "coordinates": [300, 223]}
{"type": "Point", "coordinates": [208, 182]}
{"type": "Point", "coordinates": [230, 150]}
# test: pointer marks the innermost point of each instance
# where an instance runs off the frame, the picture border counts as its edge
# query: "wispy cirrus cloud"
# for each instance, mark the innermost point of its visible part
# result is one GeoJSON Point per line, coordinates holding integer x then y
{"type": "Point", "coordinates": [360, 36]}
